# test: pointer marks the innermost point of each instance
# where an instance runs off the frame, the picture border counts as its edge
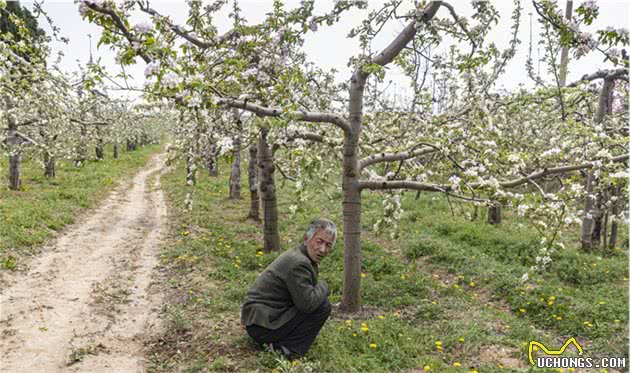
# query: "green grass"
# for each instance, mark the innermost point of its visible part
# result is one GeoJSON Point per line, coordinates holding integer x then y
{"type": "Point", "coordinates": [43, 206]}
{"type": "Point", "coordinates": [445, 281]}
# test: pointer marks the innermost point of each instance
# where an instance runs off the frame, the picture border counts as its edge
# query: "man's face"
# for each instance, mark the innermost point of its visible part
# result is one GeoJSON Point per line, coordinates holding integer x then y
{"type": "Point", "coordinates": [320, 245]}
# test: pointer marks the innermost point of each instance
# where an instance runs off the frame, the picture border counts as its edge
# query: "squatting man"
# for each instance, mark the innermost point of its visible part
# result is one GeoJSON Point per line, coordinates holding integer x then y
{"type": "Point", "coordinates": [287, 306]}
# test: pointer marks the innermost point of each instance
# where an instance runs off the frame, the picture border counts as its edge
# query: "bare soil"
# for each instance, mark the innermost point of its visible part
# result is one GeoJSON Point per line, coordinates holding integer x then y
{"type": "Point", "coordinates": [90, 301]}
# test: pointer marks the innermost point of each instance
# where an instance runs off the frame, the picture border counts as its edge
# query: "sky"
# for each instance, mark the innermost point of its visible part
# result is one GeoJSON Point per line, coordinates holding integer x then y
{"type": "Point", "coordinates": [329, 48]}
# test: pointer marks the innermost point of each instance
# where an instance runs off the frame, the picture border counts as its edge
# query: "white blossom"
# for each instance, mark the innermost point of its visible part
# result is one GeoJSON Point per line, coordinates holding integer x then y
{"type": "Point", "coordinates": [620, 175]}
{"type": "Point", "coordinates": [171, 80]}
{"type": "Point", "coordinates": [152, 68]}
{"type": "Point", "coordinates": [143, 27]}
{"type": "Point", "coordinates": [522, 209]}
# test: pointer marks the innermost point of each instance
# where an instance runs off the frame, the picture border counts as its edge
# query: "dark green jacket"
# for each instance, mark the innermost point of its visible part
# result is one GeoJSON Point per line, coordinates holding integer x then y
{"type": "Point", "coordinates": [286, 286]}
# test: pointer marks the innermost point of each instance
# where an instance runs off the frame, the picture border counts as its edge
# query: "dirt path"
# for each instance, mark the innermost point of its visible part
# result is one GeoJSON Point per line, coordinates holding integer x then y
{"type": "Point", "coordinates": [86, 304]}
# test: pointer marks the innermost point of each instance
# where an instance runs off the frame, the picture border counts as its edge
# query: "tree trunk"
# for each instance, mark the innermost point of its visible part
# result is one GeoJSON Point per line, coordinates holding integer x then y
{"type": "Point", "coordinates": [13, 141]}
{"type": "Point", "coordinates": [115, 155]}
{"type": "Point", "coordinates": [100, 153]}
{"type": "Point", "coordinates": [131, 145]}
{"type": "Point", "coordinates": [605, 231]}
{"type": "Point", "coordinates": [591, 228]}
{"type": "Point", "coordinates": [351, 301]}
{"type": "Point", "coordinates": [564, 58]}
{"type": "Point", "coordinates": [212, 161]}
{"type": "Point", "coordinates": [235, 175]}
{"type": "Point", "coordinates": [614, 226]}
{"type": "Point", "coordinates": [49, 165]}
{"type": "Point", "coordinates": [252, 173]}
{"type": "Point", "coordinates": [494, 213]}
{"type": "Point", "coordinates": [587, 221]}
{"type": "Point", "coordinates": [82, 150]}
{"type": "Point", "coordinates": [268, 194]}
{"type": "Point", "coordinates": [15, 161]}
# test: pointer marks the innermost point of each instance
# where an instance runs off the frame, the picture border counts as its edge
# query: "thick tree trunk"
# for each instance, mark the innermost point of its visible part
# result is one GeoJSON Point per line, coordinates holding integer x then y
{"type": "Point", "coordinates": [82, 150]}
{"type": "Point", "coordinates": [494, 213]}
{"type": "Point", "coordinates": [131, 145]}
{"type": "Point", "coordinates": [49, 165]}
{"type": "Point", "coordinates": [235, 175]}
{"type": "Point", "coordinates": [252, 173]}
{"type": "Point", "coordinates": [352, 198]}
{"type": "Point", "coordinates": [268, 194]}
{"type": "Point", "coordinates": [564, 57]}
{"type": "Point", "coordinates": [212, 161]}
{"type": "Point", "coordinates": [15, 161]}
{"type": "Point", "coordinates": [100, 152]}
{"type": "Point", "coordinates": [115, 155]}
{"type": "Point", "coordinates": [591, 228]}
{"type": "Point", "coordinates": [614, 226]}
{"type": "Point", "coordinates": [587, 221]}
{"type": "Point", "coordinates": [605, 231]}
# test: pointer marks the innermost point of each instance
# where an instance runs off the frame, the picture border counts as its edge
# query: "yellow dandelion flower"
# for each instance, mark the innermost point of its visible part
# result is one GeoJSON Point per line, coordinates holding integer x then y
{"type": "Point", "coordinates": [402, 277]}
{"type": "Point", "coordinates": [521, 310]}
{"type": "Point", "coordinates": [373, 345]}
{"type": "Point", "coordinates": [365, 329]}
{"type": "Point", "coordinates": [295, 363]}
{"type": "Point", "coordinates": [427, 368]}
{"type": "Point", "coordinates": [559, 318]}
{"type": "Point", "coordinates": [461, 340]}
{"type": "Point", "coordinates": [550, 303]}
{"type": "Point", "coordinates": [362, 275]}
{"type": "Point", "coordinates": [472, 284]}
{"type": "Point", "coordinates": [348, 322]}
{"type": "Point", "coordinates": [571, 369]}
{"type": "Point", "coordinates": [438, 343]}
{"type": "Point", "coordinates": [601, 302]}
{"type": "Point", "coordinates": [433, 302]}
{"type": "Point", "coordinates": [236, 265]}
{"type": "Point", "coordinates": [381, 317]}
{"type": "Point", "coordinates": [354, 334]}
{"type": "Point", "coordinates": [553, 297]}
{"type": "Point", "coordinates": [456, 286]}
{"type": "Point", "coordinates": [457, 364]}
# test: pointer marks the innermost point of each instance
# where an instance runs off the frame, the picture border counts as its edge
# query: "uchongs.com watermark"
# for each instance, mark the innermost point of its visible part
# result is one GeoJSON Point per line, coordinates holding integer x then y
{"type": "Point", "coordinates": [549, 358]}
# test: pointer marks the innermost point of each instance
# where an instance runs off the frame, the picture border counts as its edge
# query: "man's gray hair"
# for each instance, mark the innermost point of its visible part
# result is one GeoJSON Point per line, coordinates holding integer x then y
{"type": "Point", "coordinates": [317, 224]}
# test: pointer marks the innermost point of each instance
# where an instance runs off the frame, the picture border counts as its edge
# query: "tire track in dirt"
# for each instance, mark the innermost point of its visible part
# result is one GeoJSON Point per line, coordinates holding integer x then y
{"type": "Point", "coordinates": [86, 303]}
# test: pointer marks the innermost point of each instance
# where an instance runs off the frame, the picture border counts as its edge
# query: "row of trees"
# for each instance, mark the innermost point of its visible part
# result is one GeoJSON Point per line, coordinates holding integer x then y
{"type": "Point", "coordinates": [48, 115]}
{"type": "Point", "coordinates": [556, 154]}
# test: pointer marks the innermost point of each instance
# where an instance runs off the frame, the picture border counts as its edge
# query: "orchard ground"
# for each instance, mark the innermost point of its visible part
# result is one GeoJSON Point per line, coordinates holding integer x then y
{"type": "Point", "coordinates": [445, 295]}
{"type": "Point", "coordinates": [44, 206]}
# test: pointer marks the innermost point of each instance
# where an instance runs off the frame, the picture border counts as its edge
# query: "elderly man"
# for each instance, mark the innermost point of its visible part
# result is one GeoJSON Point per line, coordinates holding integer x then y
{"type": "Point", "coordinates": [287, 306]}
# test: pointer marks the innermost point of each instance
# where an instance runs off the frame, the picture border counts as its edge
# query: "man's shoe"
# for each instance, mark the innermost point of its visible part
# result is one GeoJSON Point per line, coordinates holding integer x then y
{"type": "Point", "coordinates": [283, 351]}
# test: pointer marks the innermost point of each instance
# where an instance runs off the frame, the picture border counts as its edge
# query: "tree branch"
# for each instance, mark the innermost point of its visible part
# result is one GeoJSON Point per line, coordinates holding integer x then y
{"type": "Point", "coordinates": [621, 74]}
{"type": "Point", "coordinates": [413, 185]}
{"type": "Point", "coordinates": [388, 157]}
{"type": "Point", "coordinates": [187, 34]}
{"type": "Point", "coordinates": [119, 24]}
{"type": "Point", "coordinates": [306, 116]}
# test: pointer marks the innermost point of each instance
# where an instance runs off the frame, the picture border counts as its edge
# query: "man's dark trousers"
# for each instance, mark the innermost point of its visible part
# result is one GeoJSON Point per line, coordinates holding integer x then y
{"type": "Point", "coordinates": [298, 333]}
